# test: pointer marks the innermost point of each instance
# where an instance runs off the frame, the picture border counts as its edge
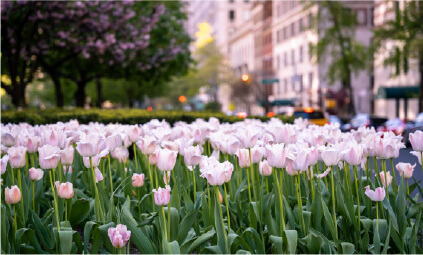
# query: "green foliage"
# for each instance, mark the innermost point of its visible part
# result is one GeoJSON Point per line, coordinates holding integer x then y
{"type": "Point", "coordinates": [124, 116]}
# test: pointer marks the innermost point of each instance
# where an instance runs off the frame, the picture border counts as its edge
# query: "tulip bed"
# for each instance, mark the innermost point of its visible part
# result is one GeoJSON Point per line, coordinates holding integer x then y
{"type": "Point", "coordinates": [207, 187]}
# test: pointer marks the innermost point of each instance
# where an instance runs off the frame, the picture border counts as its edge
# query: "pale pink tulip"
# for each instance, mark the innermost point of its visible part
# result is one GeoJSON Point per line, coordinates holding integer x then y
{"type": "Point", "coordinates": [152, 159]}
{"type": "Point", "coordinates": [137, 180]}
{"type": "Point", "coordinates": [147, 145]}
{"type": "Point", "coordinates": [418, 154]}
{"type": "Point", "coordinates": [17, 156]}
{"type": "Point", "coordinates": [92, 145]}
{"type": "Point", "coordinates": [12, 195]}
{"type": "Point", "coordinates": [192, 155]}
{"type": "Point", "coordinates": [66, 155]}
{"type": "Point", "coordinates": [4, 161]}
{"type": "Point", "coordinates": [382, 178]}
{"type": "Point", "coordinates": [133, 133]}
{"type": "Point", "coordinates": [32, 143]}
{"type": "Point", "coordinates": [264, 168]}
{"type": "Point", "coordinates": [98, 175]}
{"type": "Point", "coordinates": [167, 180]}
{"type": "Point", "coordinates": [243, 158]}
{"type": "Point", "coordinates": [170, 145]}
{"type": "Point", "coordinates": [215, 172]}
{"type": "Point", "coordinates": [69, 168]}
{"type": "Point", "coordinates": [353, 154]}
{"type": "Point", "coordinates": [49, 156]}
{"type": "Point", "coordinates": [405, 169]}
{"type": "Point", "coordinates": [290, 170]}
{"type": "Point", "coordinates": [416, 140]}
{"type": "Point", "coordinates": [162, 196]}
{"type": "Point", "coordinates": [324, 173]}
{"type": "Point", "coordinates": [248, 136]}
{"type": "Point", "coordinates": [377, 195]}
{"type": "Point", "coordinates": [119, 236]}
{"type": "Point", "coordinates": [121, 154]}
{"type": "Point", "coordinates": [7, 139]}
{"type": "Point", "coordinates": [64, 190]}
{"type": "Point", "coordinates": [113, 141]}
{"type": "Point", "coordinates": [330, 156]}
{"type": "Point", "coordinates": [166, 159]}
{"type": "Point", "coordinates": [54, 138]}
{"type": "Point", "coordinates": [233, 145]}
{"type": "Point", "coordinates": [257, 154]}
{"type": "Point", "coordinates": [35, 174]}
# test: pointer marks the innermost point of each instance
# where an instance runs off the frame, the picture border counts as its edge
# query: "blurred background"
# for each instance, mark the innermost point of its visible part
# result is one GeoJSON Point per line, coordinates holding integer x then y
{"type": "Point", "coordinates": [356, 63]}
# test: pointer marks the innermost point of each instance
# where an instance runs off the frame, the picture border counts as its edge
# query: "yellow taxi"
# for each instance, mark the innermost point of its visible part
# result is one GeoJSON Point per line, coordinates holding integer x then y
{"type": "Point", "coordinates": [313, 115]}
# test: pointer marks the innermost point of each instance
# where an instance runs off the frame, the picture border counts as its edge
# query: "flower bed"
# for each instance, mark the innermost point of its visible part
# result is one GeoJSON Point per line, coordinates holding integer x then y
{"type": "Point", "coordinates": [206, 187]}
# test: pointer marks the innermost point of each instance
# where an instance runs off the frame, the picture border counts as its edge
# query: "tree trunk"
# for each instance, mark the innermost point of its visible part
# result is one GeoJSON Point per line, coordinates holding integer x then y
{"type": "Point", "coordinates": [421, 85]}
{"type": "Point", "coordinates": [80, 94]}
{"type": "Point", "coordinates": [58, 91]}
{"type": "Point", "coordinates": [18, 95]}
{"type": "Point", "coordinates": [100, 99]}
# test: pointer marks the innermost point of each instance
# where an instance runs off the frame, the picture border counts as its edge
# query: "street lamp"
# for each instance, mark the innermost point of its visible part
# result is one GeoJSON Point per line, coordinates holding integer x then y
{"type": "Point", "coordinates": [245, 77]}
{"type": "Point", "coordinates": [182, 99]}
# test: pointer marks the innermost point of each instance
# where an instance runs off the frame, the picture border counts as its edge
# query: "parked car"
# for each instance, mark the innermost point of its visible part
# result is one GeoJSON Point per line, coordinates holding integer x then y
{"type": "Point", "coordinates": [314, 116]}
{"type": "Point", "coordinates": [364, 120]}
{"type": "Point", "coordinates": [412, 127]}
{"type": "Point", "coordinates": [395, 125]}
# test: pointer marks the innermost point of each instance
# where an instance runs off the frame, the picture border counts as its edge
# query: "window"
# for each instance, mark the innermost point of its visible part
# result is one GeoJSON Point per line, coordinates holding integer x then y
{"type": "Point", "coordinates": [300, 77]}
{"type": "Point", "coordinates": [231, 1]}
{"type": "Point", "coordinates": [300, 25]}
{"type": "Point", "coordinates": [284, 34]}
{"type": "Point", "coordinates": [310, 20]}
{"type": "Point", "coordinates": [372, 16]}
{"type": "Point", "coordinates": [286, 85]}
{"type": "Point", "coordinates": [292, 29]}
{"type": "Point", "coordinates": [278, 62]}
{"type": "Point", "coordinates": [231, 15]}
{"type": "Point", "coordinates": [293, 57]}
{"type": "Point", "coordinates": [246, 1]}
{"type": "Point", "coordinates": [285, 59]}
{"type": "Point", "coordinates": [301, 55]}
{"type": "Point", "coordinates": [310, 80]}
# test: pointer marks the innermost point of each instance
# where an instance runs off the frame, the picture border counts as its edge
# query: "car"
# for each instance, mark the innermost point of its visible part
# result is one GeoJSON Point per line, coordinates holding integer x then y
{"type": "Point", "coordinates": [395, 125]}
{"type": "Point", "coordinates": [365, 120]}
{"type": "Point", "coordinates": [412, 127]}
{"type": "Point", "coordinates": [313, 115]}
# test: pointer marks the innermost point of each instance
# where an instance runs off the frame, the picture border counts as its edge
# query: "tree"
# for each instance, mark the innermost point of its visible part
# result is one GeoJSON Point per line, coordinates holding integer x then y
{"type": "Point", "coordinates": [335, 27]}
{"type": "Point", "coordinates": [407, 30]}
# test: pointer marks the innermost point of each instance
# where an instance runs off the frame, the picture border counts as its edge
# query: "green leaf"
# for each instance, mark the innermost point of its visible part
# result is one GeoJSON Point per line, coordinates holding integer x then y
{"type": "Point", "coordinates": [4, 223]}
{"type": "Point", "coordinates": [400, 206]}
{"type": "Point", "coordinates": [87, 233]}
{"type": "Point", "coordinates": [80, 211]}
{"type": "Point", "coordinates": [186, 225]}
{"type": "Point", "coordinates": [199, 241]}
{"type": "Point", "coordinates": [290, 240]}
{"type": "Point", "coordinates": [174, 247]}
{"type": "Point", "coordinates": [65, 238]}
{"type": "Point", "coordinates": [313, 243]}
{"type": "Point", "coordinates": [413, 236]}
{"type": "Point", "coordinates": [41, 231]}
{"type": "Point", "coordinates": [277, 241]}
{"type": "Point", "coordinates": [213, 249]}
{"type": "Point", "coordinates": [220, 228]}
{"type": "Point", "coordinates": [388, 237]}
{"type": "Point", "coordinates": [347, 248]}
{"type": "Point", "coordinates": [329, 220]}
{"type": "Point", "coordinates": [376, 238]}
{"type": "Point", "coordinates": [174, 223]}
{"type": "Point", "coordinates": [26, 234]}
{"type": "Point", "coordinates": [235, 240]}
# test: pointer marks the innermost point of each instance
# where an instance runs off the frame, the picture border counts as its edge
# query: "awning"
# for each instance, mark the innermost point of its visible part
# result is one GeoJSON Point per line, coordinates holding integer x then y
{"type": "Point", "coordinates": [282, 102]}
{"type": "Point", "coordinates": [269, 81]}
{"type": "Point", "coordinates": [397, 92]}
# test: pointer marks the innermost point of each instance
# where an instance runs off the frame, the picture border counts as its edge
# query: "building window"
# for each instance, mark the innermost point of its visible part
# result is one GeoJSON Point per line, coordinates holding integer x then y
{"type": "Point", "coordinates": [292, 29]}
{"type": "Point", "coordinates": [284, 34]}
{"type": "Point", "coordinates": [301, 55]}
{"type": "Point", "coordinates": [231, 1]}
{"type": "Point", "coordinates": [285, 59]}
{"type": "Point", "coordinates": [278, 62]}
{"type": "Point", "coordinates": [231, 15]}
{"type": "Point", "coordinates": [300, 79]}
{"type": "Point", "coordinates": [293, 57]}
{"type": "Point", "coordinates": [300, 25]}
{"type": "Point", "coordinates": [286, 85]}
{"type": "Point", "coordinates": [246, 1]}
{"type": "Point", "coordinates": [372, 16]}
{"type": "Point", "coordinates": [310, 19]}
{"type": "Point", "coordinates": [310, 80]}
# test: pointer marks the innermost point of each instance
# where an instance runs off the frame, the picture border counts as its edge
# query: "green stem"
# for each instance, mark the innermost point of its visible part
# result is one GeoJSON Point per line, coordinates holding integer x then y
{"type": "Point", "coordinates": [408, 190]}
{"type": "Point", "coordinates": [135, 157]}
{"type": "Point", "coordinates": [216, 190]}
{"type": "Point", "coordinates": [66, 213]}
{"type": "Point", "coordinates": [102, 172]}
{"type": "Point", "coordinates": [155, 176]}
{"type": "Point", "coordinates": [55, 201]}
{"type": "Point", "coordinates": [267, 184]}
{"type": "Point", "coordinates": [97, 198]}
{"type": "Point", "coordinates": [386, 179]}
{"type": "Point", "coordinates": [34, 163]}
{"type": "Point", "coordinates": [13, 176]}
{"type": "Point", "coordinates": [168, 207]}
{"type": "Point", "coordinates": [253, 181]}
{"type": "Point", "coordinates": [195, 187]}
{"type": "Point", "coordinates": [33, 196]}
{"type": "Point", "coordinates": [22, 203]}
{"type": "Point", "coordinates": [376, 167]}
{"type": "Point", "coordinates": [333, 203]}
{"type": "Point", "coordinates": [300, 202]}
{"type": "Point", "coordinates": [26, 164]}
{"type": "Point", "coordinates": [164, 221]}
{"type": "Point", "coordinates": [139, 208]}
{"type": "Point", "coordinates": [110, 174]}
{"type": "Point", "coordinates": [248, 181]}
{"type": "Point", "coordinates": [377, 216]}
{"type": "Point", "coordinates": [238, 171]}
{"type": "Point", "coordinates": [151, 183]}
{"type": "Point", "coordinates": [280, 193]}
{"type": "Point", "coordinates": [60, 171]}
{"type": "Point", "coordinates": [358, 199]}
{"type": "Point", "coordinates": [227, 208]}
{"type": "Point", "coordinates": [310, 173]}
{"type": "Point", "coordinates": [14, 216]}
{"type": "Point", "coordinates": [208, 193]}
{"type": "Point", "coordinates": [393, 175]}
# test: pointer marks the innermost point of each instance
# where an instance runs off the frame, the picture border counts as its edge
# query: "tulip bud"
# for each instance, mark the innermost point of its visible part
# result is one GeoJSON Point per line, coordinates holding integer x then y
{"type": "Point", "coordinates": [166, 159]}
{"type": "Point", "coordinates": [377, 195]}
{"type": "Point", "coordinates": [119, 236]}
{"type": "Point", "coordinates": [264, 168]}
{"type": "Point", "coordinates": [388, 177]}
{"type": "Point", "coordinates": [137, 180]}
{"type": "Point", "coordinates": [405, 169]}
{"type": "Point", "coordinates": [243, 158]}
{"type": "Point", "coordinates": [35, 174]}
{"type": "Point", "coordinates": [12, 195]}
{"type": "Point", "coordinates": [162, 196]}
{"type": "Point", "coordinates": [64, 190]}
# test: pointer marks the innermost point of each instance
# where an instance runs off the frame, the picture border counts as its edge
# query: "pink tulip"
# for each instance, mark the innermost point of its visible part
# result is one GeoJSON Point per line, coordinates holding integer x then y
{"type": "Point", "coordinates": [192, 155]}
{"type": "Point", "coordinates": [382, 178]}
{"type": "Point", "coordinates": [98, 175]}
{"type": "Point", "coordinates": [66, 155]}
{"type": "Point", "coordinates": [183, 143]}
{"type": "Point", "coordinates": [405, 169]}
{"type": "Point", "coordinates": [233, 145]}
{"type": "Point", "coordinates": [121, 154]}
{"type": "Point", "coordinates": [113, 141]}
{"type": "Point", "coordinates": [35, 174]}
{"type": "Point", "coordinates": [54, 138]}
{"type": "Point", "coordinates": [17, 156]}
{"type": "Point", "coordinates": [7, 139]}
{"type": "Point", "coordinates": [92, 145]}
{"type": "Point", "coordinates": [243, 158]}
{"type": "Point", "coordinates": [4, 161]}
{"type": "Point", "coordinates": [69, 168]}
{"type": "Point", "coordinates": [324, 173]}
{"type": "Point", "coordinates": [162, 196]}
{"type": "Point", "coordinates": [330, 156]}
{"type": "Point", "coordinates": [119, 236]}
{"type": "Point", "coordinates": [215, 172]}
{"type": "Point", "coordinates": [147, 145]}
{"type": "Point", "coordinates": [264, 168]}
{"type": "Point", "coordinates": [32, 143]}
{"type": "Point", "coordinates": [220, 197]}
{"type": "Point", "coordinates": [12, 195]}
{"type": "Point", "coordinates": [64, 190]}
{"type": "Point", "coordinates": [166, 159]}
{"type": "Point", "coordinates": [353, 154]}
{"type": "Point", "coordinates": [290, 170]}
{"type": "Point", "coordinates": [133, 133]}
{"type": "Point", "coordinates": [248, 136]}
{"type": "Point", "coordinates": [137, 180]}
{"type": "Point", "coordinates": [377, 195]}
{"type": "Point", "coordinates": [416, 140]}
{"type": "Point", "coordinates": [167, 180]}
{"type": "Point", "coordinates": [418, 155]}
{"type": "Point", "coordinates": [257, 154]}
{"type": "Point", "coordinates": [170, 145]}
{"type": "Point", "coordinates": [301, 161]}
{"type": "Point", "coordinates": [152, 159]}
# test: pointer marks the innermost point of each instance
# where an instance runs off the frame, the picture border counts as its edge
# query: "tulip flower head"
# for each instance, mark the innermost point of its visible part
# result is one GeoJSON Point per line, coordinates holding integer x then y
{"type": "Point", "coordinates": [147, 145]}
{"type": "Point", "coordinates": [377, 195]}
{"type": "Point", "coordinates": [192, 155]}
{"type": "Point", "coordinates": [119, 236]}
{"type": "Point", "coordinates": [17, 156]}
{"type": "Point", "coordinates": [4, 161]}
{"type": "Point", "coordinates": [405, 169]}
{"type": "Point", "coordinates": [66, 155]}
{"type": "Point", "coordinates": [137, 180]}
{"type": "Point", "coordinates": [324, 173]}
{"type": "Point", "coordinates": [12, 195]}
{"type": "Point", "coordinates": [215, 172]}
{"type": "Point", "coordinates": [162, 196]}
{"type": "Point", "coordinates": [382, 178]}
{"type": "Point", "coordinates": [416, 140]}
{"type": "Point", "coordinates": [91, 145]}
{"type": "Point", "coordinates": [330, 156]}
{"type": "Point", "coordinates": [64, 190]}
{"type": "Point", "coordinates": [243, 158]}
{"type": "Point", "coordinates": [418, 154]}
{"type": "Point", "coordinates": [7, 139]}
{"type": "Point", "coordinates": [35, 174]}
{"type": "Point", "coordinates": [98, 175]}
{"type": "Point", "coordinates": [49, 156]}
{"type": "Point", "coordinates": [264, 168]}
{"type": "Point", "coordinates": [166, 159]}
